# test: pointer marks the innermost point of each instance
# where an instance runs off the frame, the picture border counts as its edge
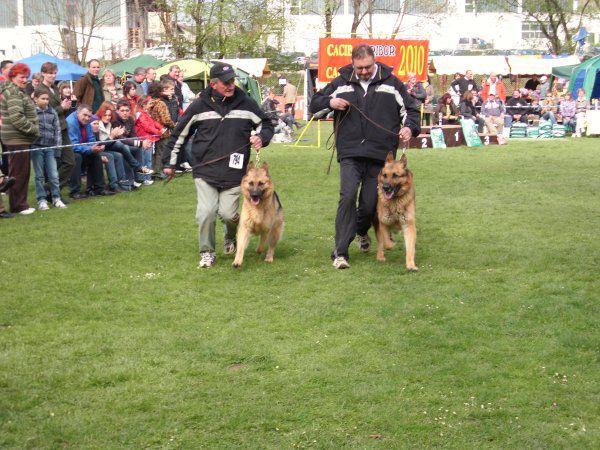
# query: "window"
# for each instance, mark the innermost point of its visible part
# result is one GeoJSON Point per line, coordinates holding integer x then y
{"type": "Point", "coordinates": [307, 7]}
{"type": "Point", "coordinates": [488, 6]}
{"type": "Point", "coordinates": [8, 14]}
{"type": "Point", "coordinates": [531, 30]}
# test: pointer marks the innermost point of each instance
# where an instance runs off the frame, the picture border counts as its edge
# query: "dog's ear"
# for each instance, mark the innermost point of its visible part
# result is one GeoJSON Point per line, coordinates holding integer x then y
{"type": "Point", "coordinates": [250, 167]}
{"type": "Point", "coordinates": [403, 160]}
{"type": "Point", "coordinates": [265, 166]}
{"type": "Point", "coordinates": [390, 157]}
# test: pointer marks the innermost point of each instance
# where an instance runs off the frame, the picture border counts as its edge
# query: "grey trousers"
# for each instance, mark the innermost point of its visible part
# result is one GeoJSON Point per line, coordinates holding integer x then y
{"type": "Point", "coordinates": [212, 202]}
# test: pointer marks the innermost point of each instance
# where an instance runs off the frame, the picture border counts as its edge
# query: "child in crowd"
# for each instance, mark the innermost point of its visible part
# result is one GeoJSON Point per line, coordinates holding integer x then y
{"type": "Point", "coordinates": [568, 109]}
{"type": "Point", "coordinates": [64, 90]}
{"type": "Point", "coordinates": [582, 105]}
{"type": "Point", "coordinates": [111, 160]}
{"type": "Point", "coordinates": [146, 126]}
{"type": "Point", "coordinates": [44, 160]}
{"type": "Point", "coordinates": [160, 114]}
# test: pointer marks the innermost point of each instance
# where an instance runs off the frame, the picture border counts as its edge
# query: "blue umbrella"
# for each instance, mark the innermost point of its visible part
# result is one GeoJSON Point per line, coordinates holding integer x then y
{"type": "Point", "coordinates": [67, 70]}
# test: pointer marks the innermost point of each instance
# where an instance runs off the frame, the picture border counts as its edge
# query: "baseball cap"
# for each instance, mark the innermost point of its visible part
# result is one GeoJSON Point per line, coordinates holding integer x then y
{"type": "Point", "coordinates": [223, 72]}
{"type": "Point", "coordinates": [543, 78]}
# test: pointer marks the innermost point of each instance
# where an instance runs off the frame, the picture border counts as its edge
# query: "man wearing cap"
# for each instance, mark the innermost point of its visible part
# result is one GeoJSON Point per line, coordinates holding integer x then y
{"type": "Point", "coordinates": [543, 87]}
{"type": "Point", "coordinates": [220, 120]}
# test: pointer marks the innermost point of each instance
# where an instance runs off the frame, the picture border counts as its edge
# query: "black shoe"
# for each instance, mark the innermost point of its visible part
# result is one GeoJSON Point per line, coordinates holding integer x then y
{"type": "Point", "coordinates": [7, 183]}
{"type": "Point", "coordinates": [6, 215]}
{"type": "Point", "coordinates": [78, 195]}
{"type": "Point", "coordinates": [116, 190]}
{"type": "Point", "coordinates": [105, 192]}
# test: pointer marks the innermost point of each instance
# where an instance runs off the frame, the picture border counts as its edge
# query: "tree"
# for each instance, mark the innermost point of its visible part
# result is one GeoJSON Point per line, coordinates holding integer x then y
{"type": "Point", "coordinates": [77, 22]}
{"type": "Point", "coordinates": [224, 28]}
{"type": "Point", "coordinates": [558, 20]}
{"type": "Point", "coordinates": [363, 13]}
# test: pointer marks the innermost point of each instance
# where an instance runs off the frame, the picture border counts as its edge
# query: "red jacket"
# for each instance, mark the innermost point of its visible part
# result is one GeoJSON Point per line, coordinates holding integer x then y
{"type": "Point", "coordinates": [500, 91]}
{"type": "Point", "coordinates": [147, 126]}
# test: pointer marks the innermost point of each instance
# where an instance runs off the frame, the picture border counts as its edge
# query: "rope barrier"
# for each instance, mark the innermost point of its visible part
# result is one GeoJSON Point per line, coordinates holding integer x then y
{"type": "Point", "coordinates": [87, 144]}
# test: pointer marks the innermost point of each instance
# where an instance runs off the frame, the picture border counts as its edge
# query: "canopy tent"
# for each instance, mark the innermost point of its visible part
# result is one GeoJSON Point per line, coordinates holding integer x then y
{"type": "Point", "coordinates": [257, 67]}
{"type": "Point", "coordinates": [587, 76]}
{"type": "Point", "coordinates": [198, 70]}
{"type": "Point", "coordinates": [538, 64]}
{"type": "Point", "coordinates": [129, 65]}
{"type": "Point", "coordinates": [67, 70]}
{"type": "Point", "coordinates": [193, 69]}
{"type": "Point", "coordinates": [564, 71]}
{"type": "Point", "coordinates": [449, 65]}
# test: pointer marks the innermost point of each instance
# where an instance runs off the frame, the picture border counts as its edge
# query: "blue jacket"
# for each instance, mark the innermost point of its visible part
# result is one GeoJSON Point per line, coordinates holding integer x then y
{"type": "Point", "coordinates": [50, 134]}
{"type": "Point", "coordinates": [74, 129]}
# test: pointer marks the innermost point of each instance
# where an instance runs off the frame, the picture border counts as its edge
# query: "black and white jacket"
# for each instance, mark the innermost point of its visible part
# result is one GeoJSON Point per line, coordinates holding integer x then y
{"type": "Point", "coordinates": [218, 128]}
{"type": "Point", "coordinates": [386, 103]}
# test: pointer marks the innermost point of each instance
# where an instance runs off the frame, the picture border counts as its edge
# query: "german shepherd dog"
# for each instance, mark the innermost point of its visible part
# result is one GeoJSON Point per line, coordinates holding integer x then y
{"type": "Point", "coordinates": [262, 213]}
{"type": "Point", "coordinates": [396, 208]}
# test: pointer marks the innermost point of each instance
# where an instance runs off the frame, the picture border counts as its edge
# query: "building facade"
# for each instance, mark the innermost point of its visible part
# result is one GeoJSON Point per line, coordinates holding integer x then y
{"type": "Point", "coordinates": [448, 25]}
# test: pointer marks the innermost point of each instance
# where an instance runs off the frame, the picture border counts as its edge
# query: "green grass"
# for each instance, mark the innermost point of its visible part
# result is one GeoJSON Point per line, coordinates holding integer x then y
{"type": "Point", "coordinates": [111, 337]}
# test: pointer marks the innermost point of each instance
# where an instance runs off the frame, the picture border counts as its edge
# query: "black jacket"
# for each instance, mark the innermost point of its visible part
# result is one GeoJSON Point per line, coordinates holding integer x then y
{"type": "Point", "coordinates": [386, 103]}
{"type": "Point", "coordinates": [129, 126]}
{"type": "Point", "coordinates": [219, 129]}
{"type": "Point", "coordinates": [172, 107]}
{"type": "Point", "coordinates": [517, 106]}
{"type": "Point", "coordinates": [462, 85]}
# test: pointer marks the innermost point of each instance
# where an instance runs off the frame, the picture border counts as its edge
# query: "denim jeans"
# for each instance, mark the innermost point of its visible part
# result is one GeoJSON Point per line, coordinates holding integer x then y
{"type": "Point", "coordinates": [44, 160]}
{"type": "Point", "coordinates": [549, 115]}
{"type": "Point", "coordinates": [115, 160]}
{"type": "Point", "coordinates": [147, 160]}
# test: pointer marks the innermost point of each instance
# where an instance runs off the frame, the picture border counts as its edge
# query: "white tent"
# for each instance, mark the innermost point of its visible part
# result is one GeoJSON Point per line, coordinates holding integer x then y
{"type": "Point", "coordinates": [257, 67]}
{"type": "Point", "coordinates": [535, 65]}
{"type": "Point", "coordinates": [449, 65]}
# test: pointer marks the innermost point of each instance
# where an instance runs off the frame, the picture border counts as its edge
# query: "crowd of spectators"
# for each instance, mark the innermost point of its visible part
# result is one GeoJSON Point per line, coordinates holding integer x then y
{"type": "Point", "coordinates": [100, 138]}
{"type": "Point", "coordinates": [491, 109]}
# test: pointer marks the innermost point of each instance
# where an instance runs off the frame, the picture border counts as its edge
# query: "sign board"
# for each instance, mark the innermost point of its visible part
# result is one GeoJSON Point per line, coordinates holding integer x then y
{"type": "Point", "coordinates": [404, 56]}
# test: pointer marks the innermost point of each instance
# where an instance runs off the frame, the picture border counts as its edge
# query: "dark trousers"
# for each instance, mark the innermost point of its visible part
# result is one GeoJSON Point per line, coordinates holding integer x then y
{"type": "Point", "coordinates": [95, 176]}
{"type": "Point", "coordinates": [291, 107]}
{"type": "Point", "coordinates": [19, 167]}
{"type": "Point", "coordinates": [66, 161]}
{"type": "Point", "coordinates": [351, 219]}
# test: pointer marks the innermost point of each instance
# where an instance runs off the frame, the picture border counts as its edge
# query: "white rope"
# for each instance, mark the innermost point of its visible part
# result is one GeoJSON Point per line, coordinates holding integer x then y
{"type": "Point", "coordinates": [87, 144]}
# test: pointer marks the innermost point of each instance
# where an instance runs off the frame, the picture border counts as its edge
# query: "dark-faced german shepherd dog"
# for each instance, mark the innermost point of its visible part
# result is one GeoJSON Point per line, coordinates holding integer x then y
{"type": "Point", "coordinates": [396, 208]}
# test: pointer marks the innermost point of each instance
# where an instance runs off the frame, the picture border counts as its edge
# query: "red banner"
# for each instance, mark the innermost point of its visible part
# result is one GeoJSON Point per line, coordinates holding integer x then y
{"type": "Point", "coordinates": [404, 56]}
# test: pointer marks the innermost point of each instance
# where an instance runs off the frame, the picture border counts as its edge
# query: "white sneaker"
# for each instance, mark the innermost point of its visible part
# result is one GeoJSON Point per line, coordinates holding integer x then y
{"type": "Point", "coordinates": [42, 206]}
{"type": "Point", "coordinates": [207, 259]}
{"type": "Point", "coordinates": [58, 203]}
{"type": "Point", "coordinates": [341, 262]}
{"type": "Point", "coordinates": [136, 184]}
{"type": "Point", "coordinates": [28, 211]}
{"type": "Point", "coordinates": [363, 242]}
{"type": "Point", "coordinates": [186, 166]}
{"type": "Point", "coordinates": [147, 182]}
{"type": "Point", "coordinates": [229, 247]}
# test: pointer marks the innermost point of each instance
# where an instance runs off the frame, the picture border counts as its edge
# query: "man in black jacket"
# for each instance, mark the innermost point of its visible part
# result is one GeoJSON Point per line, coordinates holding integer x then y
{"type": "Point", "coordinates": [364, 94]}
{"type": "Point", "coordinates": [220, 122]}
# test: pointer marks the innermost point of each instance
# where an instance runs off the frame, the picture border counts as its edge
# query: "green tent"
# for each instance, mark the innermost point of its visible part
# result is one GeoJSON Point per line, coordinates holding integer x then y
{"type": "Point", "coordinates": [564, 71]}
{"type": "Point", "coordinates": [193, 69]}
{"type": "Point", "coordinates": [129, 65]}
{"type": "Point", "coordinates": [587, 76]}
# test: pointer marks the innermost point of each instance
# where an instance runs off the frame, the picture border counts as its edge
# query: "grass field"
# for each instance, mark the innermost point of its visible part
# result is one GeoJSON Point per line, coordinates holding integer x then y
{"type": "Point", "coordinates": [111, 337]}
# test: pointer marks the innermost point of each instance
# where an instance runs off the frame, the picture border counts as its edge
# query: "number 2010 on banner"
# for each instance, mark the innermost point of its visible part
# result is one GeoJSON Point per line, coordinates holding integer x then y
{"type": "Point", "coordinates": [412, 60]}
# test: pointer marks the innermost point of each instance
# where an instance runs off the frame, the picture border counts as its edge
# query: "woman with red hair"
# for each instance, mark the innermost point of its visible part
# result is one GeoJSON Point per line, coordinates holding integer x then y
{"type": "Point", "coordinates": [20, 129]}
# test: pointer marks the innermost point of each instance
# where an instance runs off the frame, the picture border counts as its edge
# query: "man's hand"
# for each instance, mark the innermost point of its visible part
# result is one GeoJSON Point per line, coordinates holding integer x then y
{"type": "Point", "coordinates": [339, 103]}
{"type": "Point", "coordinates": [256, 141]}
{"type": "Point", "coordinates": [405, 135]}
{"type": "Point", "coordinates": [118, 131]}
{"type": "Point", "coordinates": [65, 104]}
{"type": "Point", "coordinates": [104, 159]}
{"type": "Point", "coordinates": [146, 143]}
{"type": "Point", "coordinates": [170, 173]}
{"type": "Point", "coordinates": [98, 148]}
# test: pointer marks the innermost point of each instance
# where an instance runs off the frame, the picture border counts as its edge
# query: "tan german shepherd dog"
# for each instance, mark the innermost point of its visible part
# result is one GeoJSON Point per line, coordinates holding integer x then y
{"type": "Point", "coordinates": [396, 208]}
{"type": "Point", "coordinates": [262, 213]}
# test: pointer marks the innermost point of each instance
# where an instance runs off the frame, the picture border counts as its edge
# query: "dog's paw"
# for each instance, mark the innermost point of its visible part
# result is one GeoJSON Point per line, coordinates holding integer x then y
{"type": "Point", "coordinates": [412, 268]}
{"type": "Point", "coordinates": [236, 265]}
{"type": "Point", "coordinates": [381, 258]}
{"type": "Point", "coordinates": [269, 260]}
